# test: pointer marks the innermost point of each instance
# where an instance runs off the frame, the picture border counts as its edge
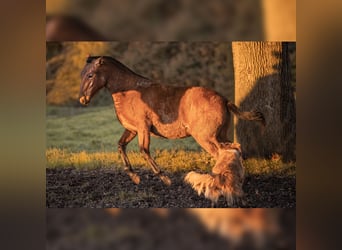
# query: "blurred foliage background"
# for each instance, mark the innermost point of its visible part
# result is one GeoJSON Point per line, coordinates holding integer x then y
{"type": "Point", "coordinates": [206, 64]}
{"type": "Point", "coordinates": [167, 20]}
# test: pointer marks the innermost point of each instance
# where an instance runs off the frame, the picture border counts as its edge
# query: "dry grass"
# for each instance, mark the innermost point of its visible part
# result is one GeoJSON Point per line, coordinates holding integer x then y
{"type": "Point", "coordinates": [170, 161]}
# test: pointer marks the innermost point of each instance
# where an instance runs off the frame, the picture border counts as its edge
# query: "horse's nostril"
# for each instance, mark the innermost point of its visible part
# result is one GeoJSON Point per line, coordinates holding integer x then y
{"type": "Point", "coordinates": [84, 100]}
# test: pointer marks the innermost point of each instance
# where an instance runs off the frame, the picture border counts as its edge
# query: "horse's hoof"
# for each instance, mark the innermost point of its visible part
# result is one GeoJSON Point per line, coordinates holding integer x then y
{"type": "Point", "coordinates": [134, 177]}
{"type": "Point", "coordinates": [165, 179]}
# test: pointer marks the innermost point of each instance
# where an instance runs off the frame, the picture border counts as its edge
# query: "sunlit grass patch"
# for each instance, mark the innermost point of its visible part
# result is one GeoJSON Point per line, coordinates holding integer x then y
{"type": "Point", "coordinates": [169, 160]}
{"type": "Point", "coordinates": [64, 158]}
{"type": "Point", "coordinates": [269, 167]}
{"type": "Point", "coordinates": [172, 161]}
{"type": "Point", "coordinates": [181, 160]}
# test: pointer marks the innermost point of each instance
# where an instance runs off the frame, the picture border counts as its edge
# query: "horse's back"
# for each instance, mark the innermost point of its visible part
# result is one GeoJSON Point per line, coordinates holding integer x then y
{"type": "Point", "coordinates": [185, 105]}
{"type": "Point", "coordinates": [202, 102]}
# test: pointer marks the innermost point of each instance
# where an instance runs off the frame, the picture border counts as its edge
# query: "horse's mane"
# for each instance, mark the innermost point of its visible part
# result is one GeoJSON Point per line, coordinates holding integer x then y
{"type": "Point", "coordinates": [118, 64]}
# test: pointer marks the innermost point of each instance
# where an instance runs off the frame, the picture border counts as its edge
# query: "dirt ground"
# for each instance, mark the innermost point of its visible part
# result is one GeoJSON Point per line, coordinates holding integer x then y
{"type": "Point", "coordinates": [108, 187]}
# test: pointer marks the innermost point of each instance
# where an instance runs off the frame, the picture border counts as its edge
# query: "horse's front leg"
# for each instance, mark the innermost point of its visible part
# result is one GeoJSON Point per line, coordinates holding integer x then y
{"type": "Point", "coordinates": [144, 145]}
{"type": "Point", "coordinates": [126, 137]}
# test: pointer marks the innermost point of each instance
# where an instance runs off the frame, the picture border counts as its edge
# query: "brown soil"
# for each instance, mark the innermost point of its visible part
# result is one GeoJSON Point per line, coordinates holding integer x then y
{"type": "Point", "coordinates": [108, 187]}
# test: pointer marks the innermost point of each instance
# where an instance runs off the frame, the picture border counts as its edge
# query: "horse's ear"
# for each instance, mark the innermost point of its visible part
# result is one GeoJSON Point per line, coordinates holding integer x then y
{"type": "Point", "coordinates": [89, 59]}
{"type": "Point", "coordinates": [99, 61]}
{"type": "Point", "coordinates": [236, 146]}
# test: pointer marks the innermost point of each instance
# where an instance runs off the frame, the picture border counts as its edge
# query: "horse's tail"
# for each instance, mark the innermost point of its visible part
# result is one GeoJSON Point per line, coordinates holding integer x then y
{"type": "Point", "coordinates": [251, 115]}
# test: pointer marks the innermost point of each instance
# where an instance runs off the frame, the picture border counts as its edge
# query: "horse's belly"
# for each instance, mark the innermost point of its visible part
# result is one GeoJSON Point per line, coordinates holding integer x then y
{"type": "Point", "coordinates": [170, 131]}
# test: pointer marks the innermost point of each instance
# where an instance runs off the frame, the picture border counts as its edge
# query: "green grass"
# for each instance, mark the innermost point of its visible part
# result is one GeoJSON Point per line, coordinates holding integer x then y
{"type": "Point", "coordinates": [269, 167]}
{"type": "Point", "coordinates": [94, 129]}
{"type": "Point", "coordinates": [87, 138]}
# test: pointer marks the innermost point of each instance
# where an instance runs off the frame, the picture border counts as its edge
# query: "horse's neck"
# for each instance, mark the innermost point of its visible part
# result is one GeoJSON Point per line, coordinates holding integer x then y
{"type": "Point", "coordinates": [125, 82]}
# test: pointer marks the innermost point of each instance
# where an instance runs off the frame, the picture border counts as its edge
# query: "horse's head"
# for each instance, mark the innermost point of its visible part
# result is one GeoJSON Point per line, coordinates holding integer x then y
{"type": "Point", "coordinates": [93, 78]}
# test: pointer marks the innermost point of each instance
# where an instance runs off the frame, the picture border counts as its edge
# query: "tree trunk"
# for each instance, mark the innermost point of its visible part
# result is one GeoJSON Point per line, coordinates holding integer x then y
{"type": "Point", "coordinates": [279, 20]}
{"type": "Point", "coordinates": [262, 81]}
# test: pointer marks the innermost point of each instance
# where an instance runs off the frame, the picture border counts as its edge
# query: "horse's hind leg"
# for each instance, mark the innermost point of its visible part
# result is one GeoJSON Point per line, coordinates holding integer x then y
{"type": "Point", "coordinates": [211, 145]}
{"type": "Point", "coordinates": [144, 144]}
{"type": "Point", "coordinates": [211, 139]}
{"type": "Point", "coordinates": [126, 137]}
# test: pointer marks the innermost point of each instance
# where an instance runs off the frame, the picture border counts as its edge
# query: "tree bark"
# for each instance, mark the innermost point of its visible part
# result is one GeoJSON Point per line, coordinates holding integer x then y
{"type": "Point", "coordinates": [262, 82]}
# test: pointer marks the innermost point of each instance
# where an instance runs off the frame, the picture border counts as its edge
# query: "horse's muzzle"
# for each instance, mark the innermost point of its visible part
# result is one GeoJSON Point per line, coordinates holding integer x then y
{"type": "Point", "coordinates": [84, 100]}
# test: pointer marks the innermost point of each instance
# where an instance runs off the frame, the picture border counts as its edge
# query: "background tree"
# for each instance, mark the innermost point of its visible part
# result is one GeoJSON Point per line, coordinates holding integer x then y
{"type": "Point", "coordinates": [262, 73]}
{"type": "Point", "coordinates": [279, 18]}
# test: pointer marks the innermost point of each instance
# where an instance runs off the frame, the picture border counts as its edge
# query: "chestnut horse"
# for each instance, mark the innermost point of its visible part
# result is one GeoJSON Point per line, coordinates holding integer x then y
{"type": "Point", "coordinates": [145, 108]}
